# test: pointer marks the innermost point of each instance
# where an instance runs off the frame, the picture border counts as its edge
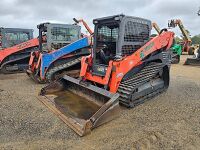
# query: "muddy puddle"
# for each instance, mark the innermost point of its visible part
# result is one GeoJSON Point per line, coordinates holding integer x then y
{"type": "Point", "coordinates": [70, 104]}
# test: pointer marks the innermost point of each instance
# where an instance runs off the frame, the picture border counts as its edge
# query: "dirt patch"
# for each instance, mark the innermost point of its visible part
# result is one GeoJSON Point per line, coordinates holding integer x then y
{"type": "Point", "coordinates": [169, 121]}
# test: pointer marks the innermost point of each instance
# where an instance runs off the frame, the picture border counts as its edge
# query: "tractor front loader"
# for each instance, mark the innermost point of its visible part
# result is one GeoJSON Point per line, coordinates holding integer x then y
{"type": "Point", "coordinates": [126, 66]}
{"type": "Point", "coordinates": [15, 47]}
{"type": "Point", "coordinates": [57, 56]}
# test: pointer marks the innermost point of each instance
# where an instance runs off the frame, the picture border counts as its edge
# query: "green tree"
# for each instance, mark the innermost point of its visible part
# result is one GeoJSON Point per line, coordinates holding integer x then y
{"type": "Point", "coordinates": [196, 39]}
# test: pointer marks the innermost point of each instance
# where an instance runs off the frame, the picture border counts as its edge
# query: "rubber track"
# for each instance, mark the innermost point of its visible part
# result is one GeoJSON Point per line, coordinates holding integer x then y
{"type": "Point", "coordinates": [174, 58]}
{"type": "Point", "coordinates": [3, 68]}
{"type": "Point", "coordinates": [63, 66]}
{"type": "Point", "coordinates": [127, 88]}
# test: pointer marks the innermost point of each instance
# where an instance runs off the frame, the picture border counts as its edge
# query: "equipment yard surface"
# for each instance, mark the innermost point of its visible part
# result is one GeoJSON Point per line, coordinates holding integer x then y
{"type": "Point", "coordinates": [168, 121]}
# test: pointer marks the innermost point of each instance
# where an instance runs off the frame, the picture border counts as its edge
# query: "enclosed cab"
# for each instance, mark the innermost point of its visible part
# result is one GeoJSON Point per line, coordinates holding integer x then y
{"type": "Point", "coordinates": [12, 36]}
{"type": "Point", "coordinates": [55, 36]}
{"type": "Point", "coordinates": [53, 56]}
{"type": "Point", "coordinates": [117, 37]}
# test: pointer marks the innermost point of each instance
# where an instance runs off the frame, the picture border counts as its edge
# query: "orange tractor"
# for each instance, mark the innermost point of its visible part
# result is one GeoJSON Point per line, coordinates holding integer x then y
{"type": "Point", "coordinates": [126, 66]}
{"type": "Point", "coordinates": [15, 47]}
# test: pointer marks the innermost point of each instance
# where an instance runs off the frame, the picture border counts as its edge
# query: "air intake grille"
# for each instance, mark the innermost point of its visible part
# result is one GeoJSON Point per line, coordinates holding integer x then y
{"type": "Point", "coordinates": [136, 34]}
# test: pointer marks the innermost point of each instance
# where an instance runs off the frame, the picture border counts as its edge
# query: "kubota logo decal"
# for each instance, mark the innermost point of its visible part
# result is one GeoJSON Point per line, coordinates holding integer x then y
{"type": "Point", "coordinates": [148, 47]}
{"type": "Point", "coordinates": [23, 45]}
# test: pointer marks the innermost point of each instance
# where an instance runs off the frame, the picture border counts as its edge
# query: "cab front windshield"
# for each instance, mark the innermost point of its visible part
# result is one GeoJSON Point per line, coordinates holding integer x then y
{"type": "Point", "coordinates": [14, 38]}
{"type": "Point", "coordinates": [64, 34]}
{"type": "Point", "coordinates": [106, 39]}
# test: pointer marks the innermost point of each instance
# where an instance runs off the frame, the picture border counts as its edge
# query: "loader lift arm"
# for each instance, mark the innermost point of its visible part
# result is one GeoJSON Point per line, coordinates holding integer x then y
{"type": "Point", "coordinates": [174, 23]}
{"type": "Point", "coordinates": [47, 59]}
{"type": "Point", "coordinates": [85, 25]}
{"type": "Point", "coordinates": [156, 27]}
{"type": "Point", "coordinates": [176, 48]}
{"type": "Point", "coordinates": [8, 51]}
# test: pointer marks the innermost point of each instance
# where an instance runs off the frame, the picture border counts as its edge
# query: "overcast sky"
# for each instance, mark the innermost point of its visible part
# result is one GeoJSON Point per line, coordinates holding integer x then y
{"type": "Point", "coordinates": [29, 13]}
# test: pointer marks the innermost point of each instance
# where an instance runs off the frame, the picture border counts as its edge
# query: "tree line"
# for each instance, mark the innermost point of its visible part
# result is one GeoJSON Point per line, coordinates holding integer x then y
{"type": "Point", "coordinates": [195, 39]}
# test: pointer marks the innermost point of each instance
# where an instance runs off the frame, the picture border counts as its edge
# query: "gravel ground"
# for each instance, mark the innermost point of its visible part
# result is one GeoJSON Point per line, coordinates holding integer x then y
{"type": "Point", "coordinates": [169, 121]}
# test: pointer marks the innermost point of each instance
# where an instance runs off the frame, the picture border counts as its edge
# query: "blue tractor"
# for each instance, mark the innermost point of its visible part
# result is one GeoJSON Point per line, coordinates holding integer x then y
{"type": "Point", "coordinates": [61, 54]}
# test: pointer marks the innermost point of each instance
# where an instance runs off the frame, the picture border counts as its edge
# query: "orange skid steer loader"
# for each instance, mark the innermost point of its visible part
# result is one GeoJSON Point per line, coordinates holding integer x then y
{"type": "Point", "coordinates": [15, 47]}
{"type": "Point", "coordinates": [125, 67]}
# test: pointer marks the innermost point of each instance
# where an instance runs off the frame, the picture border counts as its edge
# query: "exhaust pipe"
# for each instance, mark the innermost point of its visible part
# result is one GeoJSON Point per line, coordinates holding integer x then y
{"type": "Point", "coordinates": [80, 105]}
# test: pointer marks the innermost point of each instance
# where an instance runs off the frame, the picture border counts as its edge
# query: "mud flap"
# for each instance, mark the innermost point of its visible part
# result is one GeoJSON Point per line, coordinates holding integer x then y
{"type": "Point", "coordinates": [81, 106]}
